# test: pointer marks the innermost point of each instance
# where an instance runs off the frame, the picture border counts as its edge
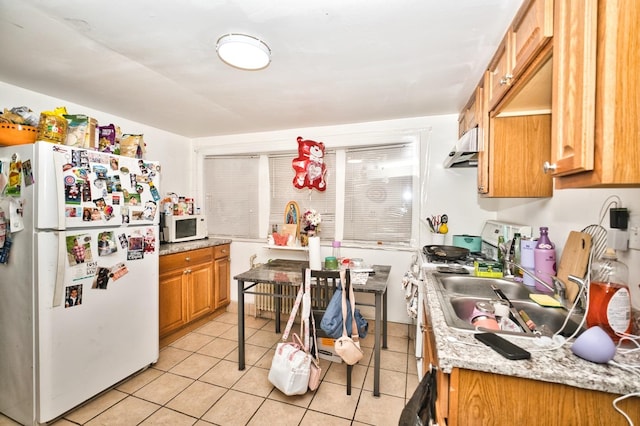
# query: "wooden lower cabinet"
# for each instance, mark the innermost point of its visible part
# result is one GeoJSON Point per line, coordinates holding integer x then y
{"type": "Point", "coordinates": [478, 398]}
{"type": "Point", "coordinates": [469, 398]}
{"type": "Point", "coordinates": [193, 284]}
{"type": "Point", "coordinates": [222, 273]}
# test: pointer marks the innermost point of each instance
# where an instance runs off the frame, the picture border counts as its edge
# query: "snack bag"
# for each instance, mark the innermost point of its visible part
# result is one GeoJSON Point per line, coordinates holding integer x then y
{"type": "Point", "coordinates": [132, 146]}
{"type": "Point", "coordinates": [107, 138]}
{"type": "Point", "coordinates": [53, 126]}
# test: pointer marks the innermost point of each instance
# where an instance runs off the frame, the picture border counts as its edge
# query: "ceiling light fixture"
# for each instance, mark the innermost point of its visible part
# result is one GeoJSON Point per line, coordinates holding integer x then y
{"type": "Point", "coordinates": [243, 51]}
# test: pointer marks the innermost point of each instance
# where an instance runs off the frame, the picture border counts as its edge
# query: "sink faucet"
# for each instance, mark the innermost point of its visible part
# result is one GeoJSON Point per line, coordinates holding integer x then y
{"type": "Point", "coordinates": [559, 288]}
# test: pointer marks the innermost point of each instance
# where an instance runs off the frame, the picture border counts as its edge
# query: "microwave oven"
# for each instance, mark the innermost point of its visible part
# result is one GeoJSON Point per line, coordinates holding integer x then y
{"type": "Point", "coordinates": [177, 229]}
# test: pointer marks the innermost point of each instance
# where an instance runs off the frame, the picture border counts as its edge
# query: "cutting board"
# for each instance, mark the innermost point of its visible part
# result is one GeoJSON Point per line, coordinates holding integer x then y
{"type": "Point", "coordinates": [574, 261]}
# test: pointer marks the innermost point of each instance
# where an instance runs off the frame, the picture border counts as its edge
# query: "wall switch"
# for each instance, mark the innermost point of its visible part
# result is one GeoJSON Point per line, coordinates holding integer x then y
{"type": "Point", "coordinates": [634, 232]}
{"type": "Point", "coordinates": [618, 239]}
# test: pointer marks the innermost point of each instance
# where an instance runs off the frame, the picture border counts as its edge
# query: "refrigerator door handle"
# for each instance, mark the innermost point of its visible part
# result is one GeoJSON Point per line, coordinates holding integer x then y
{"type": "Point", "coordinates": [59, 159]}
{"type": "Point", "coordinates": [60, 268]}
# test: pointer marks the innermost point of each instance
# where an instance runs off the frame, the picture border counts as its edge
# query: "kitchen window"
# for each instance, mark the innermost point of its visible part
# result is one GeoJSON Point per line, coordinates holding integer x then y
{"type": "Point", "coordinates": [379, 195]}
{"type": "Point", "coordinates": [369, 201]}
{"type": "Point", "coordinates": [231, 195]}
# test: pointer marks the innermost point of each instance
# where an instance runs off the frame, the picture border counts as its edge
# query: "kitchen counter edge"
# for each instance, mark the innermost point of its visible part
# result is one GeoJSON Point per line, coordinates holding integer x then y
{"type": "Point", "coordinates": [172, 248]}
{"type": "Point", "coordinates": [556, 366]}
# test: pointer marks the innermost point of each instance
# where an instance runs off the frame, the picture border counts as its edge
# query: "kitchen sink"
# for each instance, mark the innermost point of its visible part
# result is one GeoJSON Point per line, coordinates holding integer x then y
{"type": "Point", "coordinates": [481, 287]}
{"type": "Point", "coordinates": [459, 294]}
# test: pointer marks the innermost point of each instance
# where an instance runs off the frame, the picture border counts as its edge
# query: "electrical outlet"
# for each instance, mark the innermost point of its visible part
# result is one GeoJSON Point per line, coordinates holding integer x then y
{"type": "Point", "coordinates": [634, 232]}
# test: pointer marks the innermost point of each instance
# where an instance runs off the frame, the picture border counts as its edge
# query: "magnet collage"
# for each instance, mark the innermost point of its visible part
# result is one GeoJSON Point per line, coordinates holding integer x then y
{"type": "Point", "coordinates": [99, 188]}
{"type": "Point", "coordinates": [111, 194]}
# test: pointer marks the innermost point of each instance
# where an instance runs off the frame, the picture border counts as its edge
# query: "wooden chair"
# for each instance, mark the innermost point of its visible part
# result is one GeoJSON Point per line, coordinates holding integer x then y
{"type": "Point", "coordinates": [323, 285]}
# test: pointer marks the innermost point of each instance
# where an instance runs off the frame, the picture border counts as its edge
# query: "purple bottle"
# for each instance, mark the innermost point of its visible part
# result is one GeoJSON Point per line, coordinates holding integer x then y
{"type": "Point", "coordinates": [545, 261]}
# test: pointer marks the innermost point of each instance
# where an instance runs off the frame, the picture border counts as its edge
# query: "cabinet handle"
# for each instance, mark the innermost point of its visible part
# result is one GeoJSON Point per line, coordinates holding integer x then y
{"type": "Point", "coordinates": [549, 168]}
{"type": "Point", "coordinates": [187, 259]}
{"type": "Point", "coordinates": [186, 271]}
{"type": "Point", "coordinates": [506, 79]}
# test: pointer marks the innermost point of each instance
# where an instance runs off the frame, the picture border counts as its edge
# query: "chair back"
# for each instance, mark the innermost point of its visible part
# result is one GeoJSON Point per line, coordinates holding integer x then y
{"type": "Point", "coordinates": [323, 285]}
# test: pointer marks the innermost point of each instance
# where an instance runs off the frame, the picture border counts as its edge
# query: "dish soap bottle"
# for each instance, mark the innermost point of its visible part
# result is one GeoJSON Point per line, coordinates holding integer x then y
{"type": "Point", "coordinates": [544, 260]}
{"type": "Point", "coordinates": [609, 299]}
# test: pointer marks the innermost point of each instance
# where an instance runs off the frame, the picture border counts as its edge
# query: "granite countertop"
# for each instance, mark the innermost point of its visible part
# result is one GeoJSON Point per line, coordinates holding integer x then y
{"type": "Point", "coordinates": [171, 248]}
{"type": "Point", "coordinates": [459, 349]}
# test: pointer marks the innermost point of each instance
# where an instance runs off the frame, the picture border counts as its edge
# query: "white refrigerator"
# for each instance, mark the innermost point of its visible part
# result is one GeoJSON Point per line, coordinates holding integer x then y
{"type": "Point", "coordinates": [78, 276]}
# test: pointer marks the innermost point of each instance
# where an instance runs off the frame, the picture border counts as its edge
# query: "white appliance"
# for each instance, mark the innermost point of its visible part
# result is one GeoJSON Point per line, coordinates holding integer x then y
{"type": "Point", "coordinates": [57, 351]}
{"type": "Point", "coordinates": [181, 228]}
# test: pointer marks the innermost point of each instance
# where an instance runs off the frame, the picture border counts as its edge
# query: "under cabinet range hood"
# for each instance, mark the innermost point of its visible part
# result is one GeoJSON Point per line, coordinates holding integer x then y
{"type": "Point", "coordinates": [465, 151]}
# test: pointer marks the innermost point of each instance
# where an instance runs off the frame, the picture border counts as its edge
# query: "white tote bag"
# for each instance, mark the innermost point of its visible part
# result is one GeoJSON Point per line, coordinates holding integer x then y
{"type": "Point", "coordinates": [290, 367]}
{"type": "Point", "coordinates": [291, 363]}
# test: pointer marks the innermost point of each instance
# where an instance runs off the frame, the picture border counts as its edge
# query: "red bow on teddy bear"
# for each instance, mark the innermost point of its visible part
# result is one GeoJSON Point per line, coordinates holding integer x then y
{"type": "Point", "coordinates": [309, 165]}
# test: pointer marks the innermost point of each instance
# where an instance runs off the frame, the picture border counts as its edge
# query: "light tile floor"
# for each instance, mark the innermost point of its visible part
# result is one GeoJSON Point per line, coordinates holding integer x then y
{"type": "Point", "coordinates": [196, 381]}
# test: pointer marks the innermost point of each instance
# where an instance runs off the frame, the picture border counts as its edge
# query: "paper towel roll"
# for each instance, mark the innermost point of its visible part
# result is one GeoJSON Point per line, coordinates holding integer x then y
{"type": "Point", "coordinates": [315, 259]}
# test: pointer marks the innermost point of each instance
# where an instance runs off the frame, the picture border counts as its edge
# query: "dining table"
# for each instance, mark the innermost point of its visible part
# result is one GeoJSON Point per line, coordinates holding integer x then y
{"type": "Point", "coordinates": [286, 272]}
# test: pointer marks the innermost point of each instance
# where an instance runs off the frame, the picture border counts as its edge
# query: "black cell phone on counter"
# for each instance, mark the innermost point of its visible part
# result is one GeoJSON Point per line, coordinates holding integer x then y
{"type": "Point", "coordinates": [502, 346]}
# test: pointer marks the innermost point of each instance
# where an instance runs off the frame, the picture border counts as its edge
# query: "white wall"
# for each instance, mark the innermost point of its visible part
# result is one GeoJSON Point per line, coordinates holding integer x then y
{"type": "Point", "coordinates": [173, 151]}
{"type": "Point", "coordinates": [451, 191]}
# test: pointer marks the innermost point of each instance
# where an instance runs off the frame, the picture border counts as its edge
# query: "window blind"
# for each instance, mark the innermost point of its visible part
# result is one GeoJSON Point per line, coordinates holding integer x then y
{"type": "Point", "coordinates": [378, 203]}
{"type": "Point", "coordinates": [231, 195]}
{"type": "Point", "coordinates": [281, 176]}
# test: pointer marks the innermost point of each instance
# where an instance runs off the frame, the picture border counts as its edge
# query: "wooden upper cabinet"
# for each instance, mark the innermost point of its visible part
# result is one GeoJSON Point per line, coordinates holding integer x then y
{"type": "Point", "coordinates": [517, 136]}
{"type": "Point", "coordinates": [499, 75]}
{"type": "Point", "coordinates": [596, 125]}
{"type": "Point", "coordinates": [531, 30]}
{"type": "Point", "coordinates": [468, 118]}
{"type": "Point", "coordinates": [574, 91]}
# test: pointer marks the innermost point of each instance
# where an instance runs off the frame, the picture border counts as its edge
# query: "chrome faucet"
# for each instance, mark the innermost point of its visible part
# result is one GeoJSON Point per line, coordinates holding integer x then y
{"type": "Point", "coordinates": [559, 288]}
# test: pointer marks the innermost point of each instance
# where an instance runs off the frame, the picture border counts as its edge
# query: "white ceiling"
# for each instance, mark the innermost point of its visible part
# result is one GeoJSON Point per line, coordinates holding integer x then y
{"type": "Point", "coordinates": [333, 61]}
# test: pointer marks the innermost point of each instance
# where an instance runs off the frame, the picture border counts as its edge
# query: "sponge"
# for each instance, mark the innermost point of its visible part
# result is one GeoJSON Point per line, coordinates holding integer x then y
{"type": "Point", "coordinates": [545, 300]}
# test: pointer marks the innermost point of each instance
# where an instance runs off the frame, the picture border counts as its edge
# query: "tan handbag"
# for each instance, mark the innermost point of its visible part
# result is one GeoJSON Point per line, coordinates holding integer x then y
{"type": "Point", "coordinates": [348, 348]}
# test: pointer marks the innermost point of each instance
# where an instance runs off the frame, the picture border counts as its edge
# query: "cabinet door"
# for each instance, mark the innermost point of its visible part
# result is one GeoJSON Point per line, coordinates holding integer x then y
{"type": "Point", "coordinates": [532, 28]}
{"type": "Point", "coordinates": [518, 146]}
{"type": "Point", "coordinates": [222, 282]}
{"type": "Point", "coordinates": [469, 116]}
{"type": "Point", "coordinates": [483, 139]}
{"type": "Point", "coordinates": [200, 290]}
{"type": "Point", "coordinates": [616, 157]}
{"type": "Point", "coordinates": [499, 74]}
{"type": "Point", "coordinates": [172, 309]}
{"type": "Point", "coordinates": [574, 86]}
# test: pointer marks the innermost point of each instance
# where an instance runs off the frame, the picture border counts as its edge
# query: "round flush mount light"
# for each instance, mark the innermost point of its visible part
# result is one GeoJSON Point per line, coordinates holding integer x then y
{"type": "Point", "coordinates": [243, 51]}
